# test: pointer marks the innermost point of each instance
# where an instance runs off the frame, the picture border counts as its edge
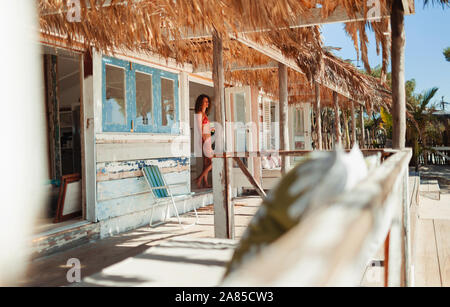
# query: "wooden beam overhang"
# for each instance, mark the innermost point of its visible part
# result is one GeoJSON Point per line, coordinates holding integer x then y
{"type": "Point", "coordinates": [315, 19]}
{"type": "Point", "coordinates": [236, 67]}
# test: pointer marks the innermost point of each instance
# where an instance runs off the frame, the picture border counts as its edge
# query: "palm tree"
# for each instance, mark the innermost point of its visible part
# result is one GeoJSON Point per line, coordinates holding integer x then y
{"type": "Point", "coordinates": [446, 53]}
{"type": "Point", "coordinates": [422, 128]}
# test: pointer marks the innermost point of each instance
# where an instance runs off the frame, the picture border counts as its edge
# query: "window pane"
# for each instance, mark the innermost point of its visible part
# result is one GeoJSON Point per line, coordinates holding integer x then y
{"type": "Point", "coordinates": [115, 108]}
{"type": "Point", "coordinates": [299, 126]}
{"type": "Point", "coordinates": [167, 102]}
{"type": "Point", "coordinates": [239, 125]}
{"type": "Point", "coordinates": [274, 127]}
{"type": "Point", "coordinates": [144, 103]}
{"type": "Point", "coordinates": [239, 104]}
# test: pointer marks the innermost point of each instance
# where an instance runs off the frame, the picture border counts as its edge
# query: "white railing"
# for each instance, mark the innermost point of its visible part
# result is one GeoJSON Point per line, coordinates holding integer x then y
{"type": "Point", "coordinates": [333, 245]}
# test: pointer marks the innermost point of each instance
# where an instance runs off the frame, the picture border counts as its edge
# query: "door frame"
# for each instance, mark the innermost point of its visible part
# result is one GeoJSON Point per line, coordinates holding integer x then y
{"type": "Point", "coordinates": [239, 179]}
{"type": "Point", "coordinates": [306, 119]}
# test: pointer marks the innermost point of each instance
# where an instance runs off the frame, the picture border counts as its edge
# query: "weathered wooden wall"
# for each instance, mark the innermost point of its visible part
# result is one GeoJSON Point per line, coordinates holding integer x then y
{"type": "Point", "coordinates": [123, 200]}
{"type": "Point", "coordinates": [121, 189]}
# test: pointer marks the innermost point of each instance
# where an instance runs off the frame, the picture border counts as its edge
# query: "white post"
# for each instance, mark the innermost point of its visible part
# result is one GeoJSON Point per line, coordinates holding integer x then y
{"type": "Point", "coordinates": [353, 124]}
{"type": "Point", "coordinates": [23, 158]}
{"type": "Point", "coordinates": [223, 207]}
{"type": "Point", "coordinates": [318, 117]}
{"type": "Point", "coordinates": [337, 120]}
{"type": "Point", "coordinates": [284, 121]}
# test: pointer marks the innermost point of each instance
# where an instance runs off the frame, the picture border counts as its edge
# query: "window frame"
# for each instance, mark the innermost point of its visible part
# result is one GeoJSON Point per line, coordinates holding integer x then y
{"type": "Point", "coordinates": [140, 128]}
{"type": "Point", "coordinates": [158, 115]}
{"type": "Point", "coordinates": [130, 93]}
{"type": "Point", "coordinates": [108, 127]}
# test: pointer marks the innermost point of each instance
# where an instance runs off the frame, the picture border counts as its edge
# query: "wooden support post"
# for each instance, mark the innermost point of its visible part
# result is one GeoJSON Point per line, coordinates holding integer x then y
{"type": "Point", "coordinates": [52, 99]}
{"type": "Point", "coordinates": [406, 233]}
{"type": "Point", "coordinates": [347, 135]}
{"type": "Point", "coordinates": [223, 207]}
{"type": "Point", "coordinates": [250, 177]}
{"type": "Point", "coordinates": [361, 119]}
{"type": "Point", "coordinates": [318, 117]}
{"type": "Point", "coordinates": [386, 261]}
{"type": "Point", "coordinates": [353, 124]}
{"type": "Point", "coordinates": [337, 121]}
{"type": "Point", "coordinates": [283, 109]}
{"type": "Point", "coordinates": [91, 84]}
{"type": "Point", "coordinates": [398, 75]}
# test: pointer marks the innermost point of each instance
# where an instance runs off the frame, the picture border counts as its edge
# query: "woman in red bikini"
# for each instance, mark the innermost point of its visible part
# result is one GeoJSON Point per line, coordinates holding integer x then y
{"type": "Point", "coordinates": [204, 129]}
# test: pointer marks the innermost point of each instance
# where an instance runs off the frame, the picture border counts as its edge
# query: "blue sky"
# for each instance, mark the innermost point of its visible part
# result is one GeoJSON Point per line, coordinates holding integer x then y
{"type": "Point", "coordinates": [427, 34]}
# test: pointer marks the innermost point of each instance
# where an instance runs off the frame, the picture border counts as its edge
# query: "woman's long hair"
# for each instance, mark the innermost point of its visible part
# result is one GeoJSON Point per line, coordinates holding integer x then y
{"type": "Point", "coordinates": [199, 103]}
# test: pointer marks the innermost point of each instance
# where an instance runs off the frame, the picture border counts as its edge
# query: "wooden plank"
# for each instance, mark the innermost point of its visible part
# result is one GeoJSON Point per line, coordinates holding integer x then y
{"type": "Point", "coordinates": [406, 232]}
{"type": "Point", "coordinates": [255, 131]}
{"type": "Point", "coordinates": [88, 163]}
{"type": "Point", "coordinates": [97, 92]}
{"type": "Point", "coordinates": [117, 207]}
{"type": "Point", "coordinates": [396, 251]}
{"type": "Point", "coordinates": [131, 169]}
{"type": "Point", "coordinates": [430, 189]}
{"type": "Point", "coordinates": [130, 138]}
{"type": "Point", "coordinates": [82, 60]}
{"type": "Point", "coordinates": [353, 124]}
{"type": "Point", "coordinates": [114, 189]}
{"type": "Point", "coordinates": [237, 67]}
{"type": "Point", "coordinates": [283, 110]}
{"type": "Point", "coordinates": [184, 104]}
{"type": "Point", "coordinates": [101, 177]}
{"type": "Point", "coordinates": [318, 116]}
{"type": "Point", "coordinates": [346, 132]}
{"type": "Point", "coordinates": [366, 152]}
{"type": "Point", "coordinates": [52, 99]}
{"type": "Point", "coordinates": [398, 75]}
{"type": "Point", "coordinates": [223, 208]}
{"type": "Point", "coordinates": [426, 264]}
{"type": "Point", "coordinates": [442, 231]}
{"type": "Point", "coordinates": [124, 221]}
{"type": "Point", "coordinates": [361, 126]}
{"type": "Point", "coordinates": [249, 176]}
{"type": "Point", "coordinates": [434, 209]}
{"type": "Point", "coordinates": [139, 151]}
{"type": "Point", "coordinates": [337, 121]}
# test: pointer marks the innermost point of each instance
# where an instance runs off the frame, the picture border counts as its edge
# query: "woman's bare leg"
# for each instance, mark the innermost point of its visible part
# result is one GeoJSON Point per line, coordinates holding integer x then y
{"type": "Point", "coordinates": [205, 176]}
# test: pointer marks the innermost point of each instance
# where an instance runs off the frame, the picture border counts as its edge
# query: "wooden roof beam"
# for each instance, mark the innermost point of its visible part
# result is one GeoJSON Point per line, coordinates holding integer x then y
{"type": "Point", "coordinates": [236, 67]}
{"type": "Point", "coordinates": [315, 19]}
{"type": "Point", "coordinates": [276, 55]}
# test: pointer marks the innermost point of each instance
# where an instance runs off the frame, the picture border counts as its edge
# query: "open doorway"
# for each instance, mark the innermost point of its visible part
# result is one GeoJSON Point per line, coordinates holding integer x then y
{"type": "Point", "coordinates": [300, 129]}
{"type": "Point", "coordinates": [62, 98]}
{"type": "Point", "coordinates": [195, 90]}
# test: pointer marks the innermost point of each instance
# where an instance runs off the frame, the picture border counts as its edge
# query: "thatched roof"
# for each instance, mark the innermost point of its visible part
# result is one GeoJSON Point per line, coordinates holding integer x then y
{"type": "Point", "coordinates": [176, 29]}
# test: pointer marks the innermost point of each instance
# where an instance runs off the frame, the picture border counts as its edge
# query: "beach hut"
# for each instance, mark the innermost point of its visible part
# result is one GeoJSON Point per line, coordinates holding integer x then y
{"type": "Point", "coordinates": [129, 74]}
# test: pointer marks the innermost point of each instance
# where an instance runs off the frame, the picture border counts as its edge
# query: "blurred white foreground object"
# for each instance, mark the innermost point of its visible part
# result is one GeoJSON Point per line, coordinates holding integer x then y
{"type": "Point", "coordinates": [22, 125]}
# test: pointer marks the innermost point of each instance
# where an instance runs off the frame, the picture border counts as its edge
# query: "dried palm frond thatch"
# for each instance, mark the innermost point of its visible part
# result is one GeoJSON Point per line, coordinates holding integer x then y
{"type": "Point", "coordinates": [181, 29]}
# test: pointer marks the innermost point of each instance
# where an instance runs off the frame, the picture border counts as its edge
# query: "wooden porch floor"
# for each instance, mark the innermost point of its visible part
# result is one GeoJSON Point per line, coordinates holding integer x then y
{"type": "Point", "coordinates": [430, 223]}
{"type": "Point", "coordinates": [430, 235]}
{"type": "Point", "coordinates": [97, 256]}
{"type": "Point", "coordinates": [432, 253]}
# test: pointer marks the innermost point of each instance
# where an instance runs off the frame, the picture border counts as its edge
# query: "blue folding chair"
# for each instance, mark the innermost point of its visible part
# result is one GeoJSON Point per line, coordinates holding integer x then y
{"type": "Point", "coordinates": [161, 193]}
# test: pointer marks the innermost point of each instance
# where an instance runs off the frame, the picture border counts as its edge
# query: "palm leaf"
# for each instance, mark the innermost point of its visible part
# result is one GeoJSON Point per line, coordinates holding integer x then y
{"type": "Point", "coordinates": [427, 97]}
{"type": "Point", "coordinates": [444, 3]}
